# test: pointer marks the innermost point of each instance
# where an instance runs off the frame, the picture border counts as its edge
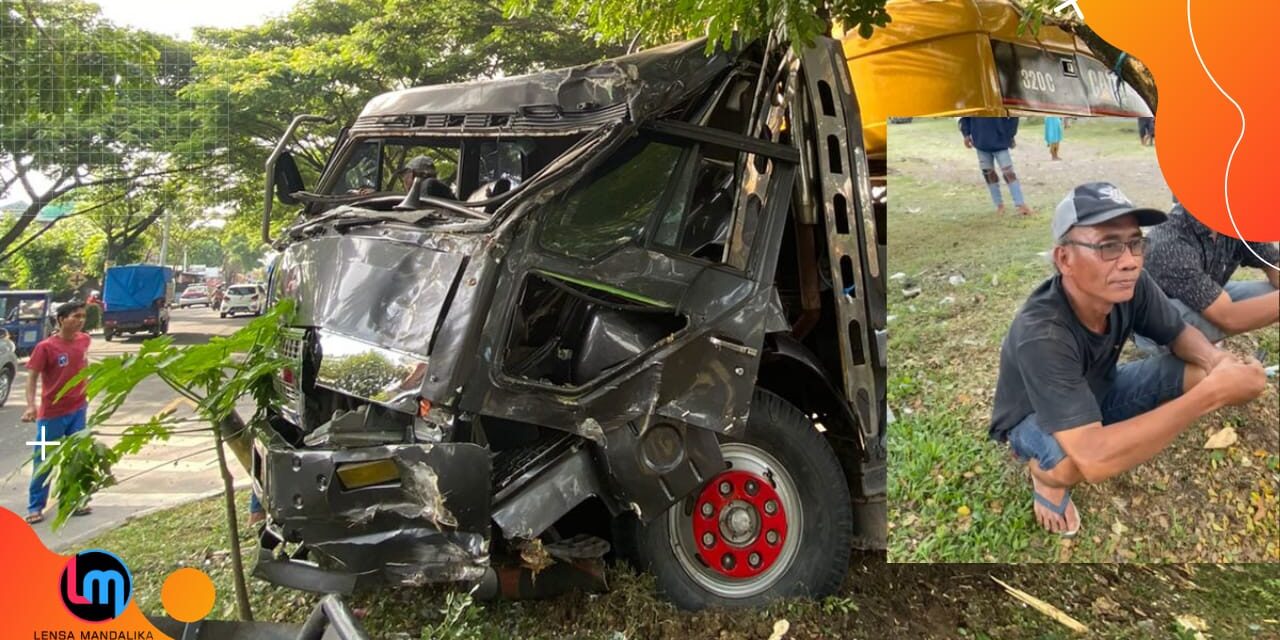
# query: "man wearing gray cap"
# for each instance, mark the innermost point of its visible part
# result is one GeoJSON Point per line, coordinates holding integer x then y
{"type": "Point", "coordinates": [1062, 402]}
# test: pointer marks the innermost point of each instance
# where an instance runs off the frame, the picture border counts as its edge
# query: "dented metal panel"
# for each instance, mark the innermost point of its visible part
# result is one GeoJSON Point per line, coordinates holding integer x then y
{"type": "Point", "coordinates": [432, 525]}
{"type": "Point", "coordinates": [648, 83]}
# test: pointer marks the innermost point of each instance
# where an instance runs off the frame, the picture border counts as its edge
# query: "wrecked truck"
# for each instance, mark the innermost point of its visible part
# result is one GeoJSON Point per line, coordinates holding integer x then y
{"type": "Point", "coordinates": [637, 304]}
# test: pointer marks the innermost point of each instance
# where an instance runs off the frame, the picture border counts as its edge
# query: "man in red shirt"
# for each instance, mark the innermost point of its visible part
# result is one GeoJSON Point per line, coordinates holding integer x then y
{"type": "Point", "coordinates": [54, 362]}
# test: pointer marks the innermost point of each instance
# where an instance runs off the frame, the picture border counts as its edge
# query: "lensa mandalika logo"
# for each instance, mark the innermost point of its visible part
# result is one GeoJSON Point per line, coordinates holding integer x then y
{"type": "Point", "coordinates": [96, 586]}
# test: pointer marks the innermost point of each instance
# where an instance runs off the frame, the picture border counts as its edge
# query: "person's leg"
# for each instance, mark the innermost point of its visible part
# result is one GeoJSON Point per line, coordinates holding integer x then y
{"type": "Point", "coordinates": [1052, 476]}
{"type": "Point", "coordinates": [987, 163]}
{"type": "Point", "coordinates": [1011, 179]}
{"type": "Point", "coordinates": [1143, 385]}
{"type": "Point", "coordinates": [1053, 151]}
{"type": "Point", "coordinates": [75, 424]}
{"type": "Point", "coordinates": [1245, 289]}
{"type": "Point", "coordinates": [256, 512]}
{"type": "Point", "coordinates": [47, 430]}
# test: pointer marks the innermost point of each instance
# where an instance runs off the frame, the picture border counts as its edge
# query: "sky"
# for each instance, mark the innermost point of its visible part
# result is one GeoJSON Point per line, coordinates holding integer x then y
{"type": "Point", "coordinates": [177, 17]}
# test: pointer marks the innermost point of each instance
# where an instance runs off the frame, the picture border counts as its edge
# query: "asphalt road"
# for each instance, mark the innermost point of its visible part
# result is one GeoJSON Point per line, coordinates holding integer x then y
{"type": "Point", "coordinates": [161, 475]}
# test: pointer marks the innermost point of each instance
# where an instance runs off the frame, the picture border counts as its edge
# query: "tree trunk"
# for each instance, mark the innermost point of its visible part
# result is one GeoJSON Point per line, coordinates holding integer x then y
{"type": "Point", "coordinates": [1132, 70]}
{"type": "Point", "coordinates": [233, 531]}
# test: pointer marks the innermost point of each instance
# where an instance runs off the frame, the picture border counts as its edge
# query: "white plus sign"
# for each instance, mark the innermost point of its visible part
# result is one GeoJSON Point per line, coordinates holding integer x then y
{"type": "Point", "coordinates": [43, 444]}
{"type": "Point", "coordinates": [1070, 3]}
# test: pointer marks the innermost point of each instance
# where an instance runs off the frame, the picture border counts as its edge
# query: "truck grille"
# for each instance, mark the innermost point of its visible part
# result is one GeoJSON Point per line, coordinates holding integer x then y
{"type": "Point", "coordinates": [289, 380]}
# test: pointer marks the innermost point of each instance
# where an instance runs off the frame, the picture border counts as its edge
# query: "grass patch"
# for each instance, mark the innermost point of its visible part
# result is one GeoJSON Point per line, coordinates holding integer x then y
{"type": "Point", "coordinates": [955, 496]}
{"type": "Point", "coordinates": [878, 600]}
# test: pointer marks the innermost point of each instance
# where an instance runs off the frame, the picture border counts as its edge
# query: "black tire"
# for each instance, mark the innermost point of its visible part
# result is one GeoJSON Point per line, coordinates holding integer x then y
{"type": "Point", "coordinates": [807, 474]}
{"type": "Point", "coordinates": [6, 384]}
{"type": "Point", "coordinates": [222, 315]}
{"type": "Point", "coordinates": [107, 335]}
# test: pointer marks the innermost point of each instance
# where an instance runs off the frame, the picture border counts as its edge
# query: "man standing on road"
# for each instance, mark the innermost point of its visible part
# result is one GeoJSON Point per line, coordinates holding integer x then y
{"type": "Point", "coordinates": [54, 362]}
{"type": "Point", "coordinates": [993, 138]}
{"type": "Point", "coordinates": [1193, 265]}
{"type": "Point", "coordinates": [1062, 403]}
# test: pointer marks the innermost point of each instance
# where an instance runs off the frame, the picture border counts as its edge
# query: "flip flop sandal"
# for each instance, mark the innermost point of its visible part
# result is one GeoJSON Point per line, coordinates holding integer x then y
{"type": "Point", "coordinates": [35, 518]}
{"type": "Point", "coordinates": [1060, 509]}
{"type": "Point", "coordinates": [82, 511]}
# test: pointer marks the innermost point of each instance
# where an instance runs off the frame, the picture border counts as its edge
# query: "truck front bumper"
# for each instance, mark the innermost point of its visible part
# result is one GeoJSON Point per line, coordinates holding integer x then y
{"type": "Point", "coordinates": [430, 523]}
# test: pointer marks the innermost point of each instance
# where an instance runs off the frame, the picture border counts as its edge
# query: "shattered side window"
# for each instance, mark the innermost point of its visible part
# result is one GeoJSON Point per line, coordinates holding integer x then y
{"type": "Point", "coordinates": [360, 172]}
{"type": "Point", "coordinates": [698, 225]}
{"type": "Point", "coordinates": [612, 205]}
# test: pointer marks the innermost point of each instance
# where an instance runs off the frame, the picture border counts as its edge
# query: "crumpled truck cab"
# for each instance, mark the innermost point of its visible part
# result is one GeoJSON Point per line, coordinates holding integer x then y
{"type": "Point", "coordinates": [628, 304]}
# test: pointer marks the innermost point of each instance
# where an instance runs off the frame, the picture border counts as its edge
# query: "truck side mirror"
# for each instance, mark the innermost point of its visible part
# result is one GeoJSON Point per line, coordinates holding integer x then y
{"type": "Point", "coordinates": [288, 179]}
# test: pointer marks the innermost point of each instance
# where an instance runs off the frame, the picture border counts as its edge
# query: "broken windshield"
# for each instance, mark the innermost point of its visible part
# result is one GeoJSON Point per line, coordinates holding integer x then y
{"type": "Point", "coordinates": [450, 169]}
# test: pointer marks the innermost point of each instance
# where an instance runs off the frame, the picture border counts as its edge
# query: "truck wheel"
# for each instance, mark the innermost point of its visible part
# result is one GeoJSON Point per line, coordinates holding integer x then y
{"type": "Point", "coordinates": [776, 523]}
{"type": "Point", "coordinates": [6, 384]}
{"type": "Point", "coordinates": [107, 335]}
{"type": "Point", "coordinates": [222, 315]}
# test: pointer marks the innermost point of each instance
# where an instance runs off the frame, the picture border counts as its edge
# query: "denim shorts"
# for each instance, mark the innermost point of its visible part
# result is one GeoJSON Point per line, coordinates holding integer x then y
{"type": "Point", "coordinates": [1139, 387]}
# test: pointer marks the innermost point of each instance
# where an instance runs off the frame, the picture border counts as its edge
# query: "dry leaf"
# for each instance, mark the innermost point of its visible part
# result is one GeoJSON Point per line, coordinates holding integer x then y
{"type": "Point", "coordinates": [1222, 439]}
{"type": "Point", "coordinates": [1193, 623]}
{"type": "Point", "coordinates": [1045, 608]}
{"type": "Point", "coordinates": [1106, 606]}
{"type": "Point", "coordinates": [780, 628]}
{"type": "Point", "coordinates": [1118, 528]}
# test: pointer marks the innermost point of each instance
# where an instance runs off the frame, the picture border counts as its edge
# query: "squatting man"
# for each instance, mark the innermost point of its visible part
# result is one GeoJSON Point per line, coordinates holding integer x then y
{"type": "Point", "coordinates": [1061, 402]}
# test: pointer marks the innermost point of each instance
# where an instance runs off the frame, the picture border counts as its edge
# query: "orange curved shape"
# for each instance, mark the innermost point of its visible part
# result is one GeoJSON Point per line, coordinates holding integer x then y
{"type": "Point", "coordinates": [30, 598]}
{"type": "Point", "coordinates": [1197, 126]}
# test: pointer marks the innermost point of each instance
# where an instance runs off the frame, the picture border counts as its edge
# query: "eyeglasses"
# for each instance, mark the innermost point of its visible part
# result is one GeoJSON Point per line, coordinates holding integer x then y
{"type": "Point", "coordinates": [1114, 249]}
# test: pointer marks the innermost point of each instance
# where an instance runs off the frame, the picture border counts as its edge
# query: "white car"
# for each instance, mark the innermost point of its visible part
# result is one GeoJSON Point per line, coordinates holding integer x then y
{"type": "Point", "coordinates": [243, 298]}
{"type": "Point", "coordinates": [194, 295]}
{"type": "Point", "coordinates": [8, 366]}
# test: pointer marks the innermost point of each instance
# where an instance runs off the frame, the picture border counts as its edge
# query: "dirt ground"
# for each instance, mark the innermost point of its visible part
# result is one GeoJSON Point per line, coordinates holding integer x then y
{"type": "Point", "coordinates": [961, 273]}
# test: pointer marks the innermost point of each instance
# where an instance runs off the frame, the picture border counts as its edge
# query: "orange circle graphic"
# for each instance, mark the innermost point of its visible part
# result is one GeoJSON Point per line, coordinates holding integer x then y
{"type": "Point", "coordinates": [187, 595]}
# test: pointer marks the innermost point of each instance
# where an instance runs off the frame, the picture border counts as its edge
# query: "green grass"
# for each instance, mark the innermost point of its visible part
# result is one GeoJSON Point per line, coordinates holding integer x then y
{"type": "Point", "coordinates": [878, 600]}
{"type": "Point", "coordinates": [955, 496]}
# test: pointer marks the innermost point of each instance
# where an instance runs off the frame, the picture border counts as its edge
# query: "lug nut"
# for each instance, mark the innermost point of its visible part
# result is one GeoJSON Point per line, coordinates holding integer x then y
{"type": "Point", "coordinates": [725, 487]}
{"type": "Point", "coordinates": [752, 487]}
{"type": "Point", "coordinates": [297, 501]}
{"type": "Point", "coordinates": [727, 562]}
{"type": "Point", "coordinates": [708, 539]}
{"type": "Point", "coordinates": [707, 509]}
{"type": "Point", "coordinates": [770, 507]}
{"type": "Point", "coordinates": [754, 559]}
{"type": "Point", "coordinates": [771, 537]}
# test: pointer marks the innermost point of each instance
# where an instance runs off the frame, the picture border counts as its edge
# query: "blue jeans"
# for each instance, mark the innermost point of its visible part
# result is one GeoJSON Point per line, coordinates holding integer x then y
{"type": "Point", "coordinates": [1236, 290]}
{"type": "Point", "coordinates": [987, 161]}
{"type": "Point", "coordinates": [49, 430]}
{"type": "Point", "coordinates": [1139, 387]}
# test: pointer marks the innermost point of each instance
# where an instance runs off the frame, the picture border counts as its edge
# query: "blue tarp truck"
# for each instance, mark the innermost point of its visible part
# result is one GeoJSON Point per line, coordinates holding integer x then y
{"type": "Point", "coordinates": [136, 298]}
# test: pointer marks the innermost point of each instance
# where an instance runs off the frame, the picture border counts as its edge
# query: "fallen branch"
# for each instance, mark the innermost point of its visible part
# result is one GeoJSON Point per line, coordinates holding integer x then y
{"type": "Point", "coordinates": [1044, 607]}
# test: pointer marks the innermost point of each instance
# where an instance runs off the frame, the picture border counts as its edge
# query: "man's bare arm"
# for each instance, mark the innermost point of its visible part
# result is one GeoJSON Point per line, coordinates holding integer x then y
{"type": "Point", "coordinates": [1103, 452]}
{"type": "Point", "coordinates": [1192, 347]}
{"type": "Point", "coordinates": [30, 413]}
{"type": "Point", "coordinates": [1245, 315]}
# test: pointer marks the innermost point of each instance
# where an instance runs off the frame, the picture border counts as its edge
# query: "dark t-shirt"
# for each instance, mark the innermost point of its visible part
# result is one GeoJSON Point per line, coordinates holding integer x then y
{"type": "Point", "coordinates": [1191, 263]}
{"type": "Point", "coordinates": [1053, 366]}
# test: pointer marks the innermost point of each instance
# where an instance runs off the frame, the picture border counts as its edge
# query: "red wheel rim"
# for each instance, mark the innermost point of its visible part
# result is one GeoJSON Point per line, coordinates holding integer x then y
{"type": "Point", "coordinates": [739, 524]}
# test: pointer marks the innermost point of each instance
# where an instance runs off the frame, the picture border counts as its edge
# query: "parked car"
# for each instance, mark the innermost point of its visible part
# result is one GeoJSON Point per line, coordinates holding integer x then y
{"type": "Point", "coordinates": [8, 365]}
{"type": "Point", "coordinates": [193, 296]}
{"type": "Point", "coordinates": [243, 298]}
